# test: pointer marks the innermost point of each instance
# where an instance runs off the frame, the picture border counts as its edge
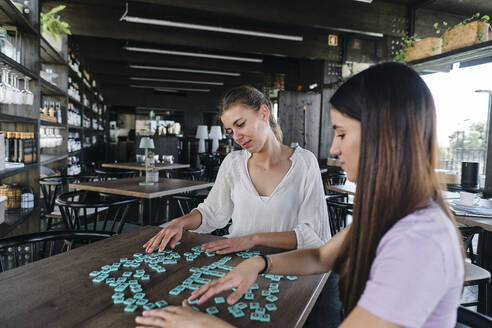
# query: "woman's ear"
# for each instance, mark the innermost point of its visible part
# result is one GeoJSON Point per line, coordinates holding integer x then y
{"type": "Point", "coordinates": [265, 112]}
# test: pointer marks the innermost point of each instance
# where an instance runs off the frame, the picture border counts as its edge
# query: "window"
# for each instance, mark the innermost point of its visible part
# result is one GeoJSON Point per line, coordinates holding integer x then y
{"type": "Point", "coordinates": [462, 104]}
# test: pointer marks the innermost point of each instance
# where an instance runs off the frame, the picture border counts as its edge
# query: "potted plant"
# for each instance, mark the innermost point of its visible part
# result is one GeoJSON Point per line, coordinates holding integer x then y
{"type": "Point", "coordinates": [471, 31]}
{"type": "Point", "coordinates": [53, 28]}
{"type": "Point", "coordinates": [414, 48]}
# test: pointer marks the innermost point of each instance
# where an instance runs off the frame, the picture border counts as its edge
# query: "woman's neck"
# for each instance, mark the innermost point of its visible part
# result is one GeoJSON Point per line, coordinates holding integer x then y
{"type": "Point", "coordinates": [270, 154]}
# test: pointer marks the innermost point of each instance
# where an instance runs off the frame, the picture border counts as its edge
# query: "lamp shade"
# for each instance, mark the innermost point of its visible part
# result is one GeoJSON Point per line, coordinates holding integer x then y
{"type": "Point", "coordinates": [202, 132]}
{"type": "Point", "coordinates": [147, 143]}
{"type": "Point", "coordinates": [215, 132]}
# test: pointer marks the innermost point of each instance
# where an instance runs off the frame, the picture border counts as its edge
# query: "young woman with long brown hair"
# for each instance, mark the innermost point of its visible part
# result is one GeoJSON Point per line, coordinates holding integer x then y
{"type": "Point", "coordinates": [272, 192]}
{"type": "Point", "coordinates": [400, 261]}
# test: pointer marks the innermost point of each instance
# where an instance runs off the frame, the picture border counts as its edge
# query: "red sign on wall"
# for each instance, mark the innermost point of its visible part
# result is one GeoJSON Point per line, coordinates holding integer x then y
{"type": "Point", "coordinates": [333, 40]}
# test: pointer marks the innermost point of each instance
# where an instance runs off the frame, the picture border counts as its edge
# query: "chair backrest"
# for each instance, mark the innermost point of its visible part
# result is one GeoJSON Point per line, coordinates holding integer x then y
{"type": "Point", "coordinates": [337, 215]}
{"type": "Point", "coordinates": [23, 249]}
{"type": "Point", "coordinates": [469, 318]}
{"type": "Point", "coordinates": [88, 210]}
{"type": "Point", "coordinates": [211, 164]}
{"type": "Point", "coordinates": [53, 186]}
{"type": "Point", "coordinates": [331, 178]}
{"type": "Point", "coordinates": [473, 242]}
{"type": "Point", "coordinates": [194, 174]}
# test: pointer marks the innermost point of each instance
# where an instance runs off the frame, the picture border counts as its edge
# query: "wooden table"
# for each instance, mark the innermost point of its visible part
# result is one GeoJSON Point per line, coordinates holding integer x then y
{"type": "Point", "coordinates": [348, 188]}
{"type": "Point", "coordinates": [58, 292]}
{"type": "Point", "coordinates": [130, 187]}
{"type": "Point", "coordinates": [141, 167]}
{"type": "Point", "coordinates": [475, 221]}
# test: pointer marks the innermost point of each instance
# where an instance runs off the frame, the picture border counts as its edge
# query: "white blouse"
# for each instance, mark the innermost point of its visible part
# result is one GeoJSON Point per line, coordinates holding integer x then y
{"type": "Point", "coordinates": [297, 203]}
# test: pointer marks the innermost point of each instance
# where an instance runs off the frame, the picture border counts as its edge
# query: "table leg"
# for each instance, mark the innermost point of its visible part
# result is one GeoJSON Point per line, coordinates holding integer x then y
{"type": "Point", "coordinates": [485, 292]}
{"type": "Point", "coordinates": [145, 210]}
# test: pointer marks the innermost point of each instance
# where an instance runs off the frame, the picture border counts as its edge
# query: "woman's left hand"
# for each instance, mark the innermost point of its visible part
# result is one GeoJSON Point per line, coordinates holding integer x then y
{"type": "Point", "coordinates": [229, 245]}
{"type": "Point", "coordinates": [178, 316]}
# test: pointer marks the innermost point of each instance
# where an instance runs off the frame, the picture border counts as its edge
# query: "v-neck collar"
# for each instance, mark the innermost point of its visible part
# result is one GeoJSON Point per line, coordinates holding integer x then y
{"type": "Point", "coordinates": [267, 198]}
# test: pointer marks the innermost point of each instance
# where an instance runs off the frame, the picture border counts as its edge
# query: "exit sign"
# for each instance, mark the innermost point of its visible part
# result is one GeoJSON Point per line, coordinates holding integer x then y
{"type": "Point", "coordinates": [333, 40]}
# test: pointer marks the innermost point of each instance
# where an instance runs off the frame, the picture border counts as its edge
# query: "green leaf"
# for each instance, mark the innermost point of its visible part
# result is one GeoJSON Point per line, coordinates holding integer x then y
{"type": "Point", "coordinates": [56, 9]}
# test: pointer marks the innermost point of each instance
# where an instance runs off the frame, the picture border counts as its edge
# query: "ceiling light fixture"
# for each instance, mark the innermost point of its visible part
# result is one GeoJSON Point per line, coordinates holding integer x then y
{"type": "Point", "coordinates": [162, 22]}
{"type": "Point", "coordinates": [186, 70]}
{"type": "Point", "coordinates": [192, 54]}
{"type": "Point", "coordinates": [169, 89]}
{"type": "Point", "coordinates": [366, 1]}
{"type": "Point", "coordinates": [177, 81]}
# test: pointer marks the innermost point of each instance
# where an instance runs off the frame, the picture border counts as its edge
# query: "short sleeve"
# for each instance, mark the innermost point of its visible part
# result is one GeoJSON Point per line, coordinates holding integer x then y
{"type": "Point", "coordinates": [407, 280]}
{"type": "Point", "coordinates": [216, 209]}
{"type": "Point", "coordinates": [312, 229]}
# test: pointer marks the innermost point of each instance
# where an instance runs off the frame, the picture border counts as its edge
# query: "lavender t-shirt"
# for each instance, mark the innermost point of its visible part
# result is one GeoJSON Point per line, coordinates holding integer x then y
{"type": "Point", "coordinates": [416, 278]}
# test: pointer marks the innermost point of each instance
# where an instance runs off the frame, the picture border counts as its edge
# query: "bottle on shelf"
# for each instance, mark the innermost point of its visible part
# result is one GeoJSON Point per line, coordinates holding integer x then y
{"type": "Point", "coordinates": [28, 142]}
{"type": "Point", "coordinates": [20, 152]}
{"type": "Point", "coordinates": [58, 113]}
{"type": "Point", "coordinates": [7, 145]}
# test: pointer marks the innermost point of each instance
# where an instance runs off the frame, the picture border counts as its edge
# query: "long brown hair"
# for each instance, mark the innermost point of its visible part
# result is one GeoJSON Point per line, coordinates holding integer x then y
{"type": "Point", "coordinates": [252, 98]}
{"type": "Point", "coordinates": [398, 157]}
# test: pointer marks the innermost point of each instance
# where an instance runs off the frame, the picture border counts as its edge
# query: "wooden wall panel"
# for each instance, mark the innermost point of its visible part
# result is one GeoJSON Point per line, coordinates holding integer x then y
{"type": "Point", "coordinates": [299, 118]}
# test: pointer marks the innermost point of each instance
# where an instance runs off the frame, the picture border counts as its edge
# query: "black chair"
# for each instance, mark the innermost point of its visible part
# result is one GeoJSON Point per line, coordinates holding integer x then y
{"type": "Point", "coordinates": [114, 174]}
{"type": "Point", "coordinates": [474, 273]}
{"type": "Point", "coordinates": [191, 173]}
{"type": "Point", "coordinates": [469, 234]}
{"type": "Point", "coordinates": [333, 176]}
{"type": "Point", "coordinates": [52, 187]}
{"type": "Point", "coordinates": [88, 210]}
{"type": "Point", "coordinates": [468, 318]}
{"type": "Point", "coordinates": [337, 215]}
{"type": "Point", "coordinates": [23, 249]}
{"type": "Point", "coordinates": [211, 163]}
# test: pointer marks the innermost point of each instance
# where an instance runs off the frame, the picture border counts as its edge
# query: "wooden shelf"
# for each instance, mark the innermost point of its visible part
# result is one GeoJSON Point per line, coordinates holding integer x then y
{"type": "Point", "coordinates": [49, 89]}
{"type": "Point", "coordinates": [48, 123]}
{"type": "Point", "coordinates": [46, 159]}
{"type": "Point", "coordinates": [20, 119]}
{"type": "Point", "coordinates": [444, 61]}
{"type": "Point", "coordinates": [49, 55]}
{"type": "Point", "coordinates": [10, 172]}
{"type": "Point", "coordinates": [76, 102]}
{"type": "Point", "coordinates": [74, 127]}
{"type": "Point", "coordinates": [14, 217]}
{"type": "Point", "coordinates": [14, 16]}
{"type": "Point", "coordinates": [18, 67]}
{"type": "Point", "coordinates": [75, 152]}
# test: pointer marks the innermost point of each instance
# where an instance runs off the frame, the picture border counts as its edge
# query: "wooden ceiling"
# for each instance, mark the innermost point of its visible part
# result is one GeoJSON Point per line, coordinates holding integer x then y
{"type": "Point", "coordinates": [102, 38]}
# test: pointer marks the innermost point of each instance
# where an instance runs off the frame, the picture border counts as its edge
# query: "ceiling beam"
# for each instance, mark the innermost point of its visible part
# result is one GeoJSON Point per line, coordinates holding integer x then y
{"type": "Point", "coordinates": [374, 17]}
{"type": "Point", "coordinates": [322, 15]}
{"type": "Point", "coordinates": [122, 69]}
{"type": "Point", "coordinates": [98, 49]}
{"type": "Point", "coordinates": [105, 23]}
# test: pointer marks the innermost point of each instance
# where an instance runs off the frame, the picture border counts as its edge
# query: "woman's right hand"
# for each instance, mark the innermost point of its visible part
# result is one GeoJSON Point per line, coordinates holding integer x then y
{"type": "Point", "coordinates": [168, 235]}
{"type": "Point", "coordinates": [241, 278]}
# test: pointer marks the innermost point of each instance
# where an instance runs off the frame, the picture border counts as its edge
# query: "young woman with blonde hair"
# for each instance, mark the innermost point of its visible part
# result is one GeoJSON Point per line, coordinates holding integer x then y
{"type": "Point", "coordinates": [273, 193]}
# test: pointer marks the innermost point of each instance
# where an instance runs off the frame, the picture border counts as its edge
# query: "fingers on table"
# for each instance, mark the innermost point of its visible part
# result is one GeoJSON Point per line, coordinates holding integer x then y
{"type": "Point", "coordinates": [213, 288]}
{"type": "Point", "coordinates": [217, 245]}
{"type": "Point", "coordinates": [158, 317]}
{"type": "Point", "coordinates": [236, 295]}
{"type": "Point", "coordinates": [167, 237]}
{"type": "Point", "coordinates": [227, 250]}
